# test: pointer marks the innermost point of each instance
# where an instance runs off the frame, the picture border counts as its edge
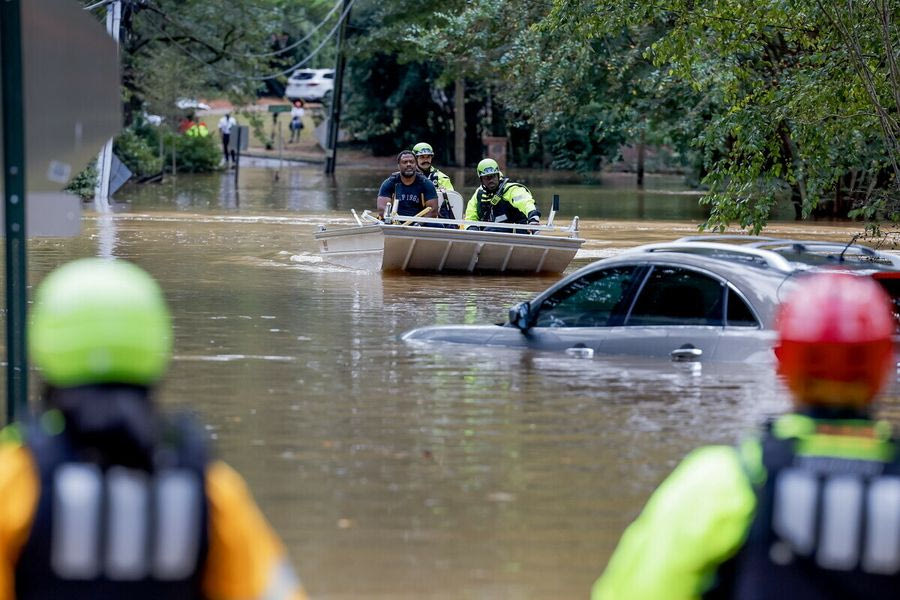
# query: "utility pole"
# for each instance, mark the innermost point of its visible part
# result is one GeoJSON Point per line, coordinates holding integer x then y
{"type": "Point", "coordinates": [104, 159]}
{"type": "Point", "coordinates": [14, 204]}
{"type": "Point", "coordinates": [334, 119]}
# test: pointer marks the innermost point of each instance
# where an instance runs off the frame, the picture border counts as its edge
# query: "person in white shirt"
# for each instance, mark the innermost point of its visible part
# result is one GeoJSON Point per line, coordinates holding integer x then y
{"type": "Point", "coordinates": [226, 123]}
{"type": "Point", "coordinates": [296, 120]}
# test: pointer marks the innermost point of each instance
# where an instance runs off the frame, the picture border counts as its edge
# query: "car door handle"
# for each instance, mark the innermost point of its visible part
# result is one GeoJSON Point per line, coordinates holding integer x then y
{"type": "Point", "coordinates": [686, 353]}
{"type": "Point", "coordinates": [580, 351]}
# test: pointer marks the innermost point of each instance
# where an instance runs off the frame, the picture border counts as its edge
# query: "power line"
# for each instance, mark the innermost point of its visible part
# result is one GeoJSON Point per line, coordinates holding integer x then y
{"type": "Point", "coordinates": [234, 75]}
{"type": "Point", "coordinates": [306, 37]}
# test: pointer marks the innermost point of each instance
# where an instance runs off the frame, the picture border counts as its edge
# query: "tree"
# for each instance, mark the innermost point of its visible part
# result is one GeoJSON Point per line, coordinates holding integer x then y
{"type": "Point", "coordinates": [804, 96]}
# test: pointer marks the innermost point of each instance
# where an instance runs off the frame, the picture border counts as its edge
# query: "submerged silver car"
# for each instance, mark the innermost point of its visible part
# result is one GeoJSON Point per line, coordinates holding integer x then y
{"type": "Point", "coordinates": [697, 298]}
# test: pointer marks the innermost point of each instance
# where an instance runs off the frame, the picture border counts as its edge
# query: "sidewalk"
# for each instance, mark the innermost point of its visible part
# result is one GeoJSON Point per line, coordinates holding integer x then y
{"type": "Point", "coordinates": [305, 150]}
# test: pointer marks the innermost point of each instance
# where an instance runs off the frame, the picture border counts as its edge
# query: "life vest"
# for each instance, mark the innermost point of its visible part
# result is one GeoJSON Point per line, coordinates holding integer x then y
{"type": "Point", "coordinates": [406, 207]}
{"type": "Point", "coordinates": [496, 208]}
{"type": "Point", "coordinates": [108, 532]}
{"type": "Point", "coordinates": [197, 130]}
{"type": "Point", "coordinates": [826, 527]}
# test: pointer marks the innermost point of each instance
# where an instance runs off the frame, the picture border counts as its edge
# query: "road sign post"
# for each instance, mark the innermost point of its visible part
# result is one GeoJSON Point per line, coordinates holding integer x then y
{"type": "Point", "coordinates": [14, 205]}
{"type": "Point", "coordinates": [49, 47]}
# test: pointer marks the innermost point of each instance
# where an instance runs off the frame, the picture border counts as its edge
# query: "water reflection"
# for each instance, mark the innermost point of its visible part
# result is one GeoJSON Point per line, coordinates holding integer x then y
{"type": "Point", "coordinates": [304, 188]}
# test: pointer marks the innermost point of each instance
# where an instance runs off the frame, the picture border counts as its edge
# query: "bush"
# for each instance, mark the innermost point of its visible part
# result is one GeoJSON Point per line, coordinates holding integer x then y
{"type": "Point", "coordinates": [137, 153]}
{"type": "Point", "coordinates": [195, 154]}
{"type": "Point", "coordinates": [84, 184]}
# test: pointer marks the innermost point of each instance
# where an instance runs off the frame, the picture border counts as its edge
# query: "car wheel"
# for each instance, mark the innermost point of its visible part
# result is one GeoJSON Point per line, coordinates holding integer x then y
{"type": "Point", "coordinates": [326, 98]}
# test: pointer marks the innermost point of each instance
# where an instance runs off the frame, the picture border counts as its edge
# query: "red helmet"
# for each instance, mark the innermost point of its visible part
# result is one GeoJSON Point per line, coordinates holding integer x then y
{"type": "Point", "coordinates": [834, 340]}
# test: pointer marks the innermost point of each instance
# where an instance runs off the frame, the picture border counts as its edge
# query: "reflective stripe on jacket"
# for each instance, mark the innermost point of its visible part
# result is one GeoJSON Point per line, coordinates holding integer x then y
{"type": "Point", "coordinates": [512, 203]}
{"type": "Point", "coordinates": [244, 561]}
{"type": "Point", "coordinates": [810, 478]}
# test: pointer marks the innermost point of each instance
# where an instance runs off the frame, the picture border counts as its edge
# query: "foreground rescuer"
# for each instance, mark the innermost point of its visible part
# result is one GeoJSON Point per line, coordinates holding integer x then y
{"type": "Point", "coordinates": [103, 497]}
{"type": "Point", "coordinates": [499, 200]}
{"type": "Point", "coordinates": [811, 509]}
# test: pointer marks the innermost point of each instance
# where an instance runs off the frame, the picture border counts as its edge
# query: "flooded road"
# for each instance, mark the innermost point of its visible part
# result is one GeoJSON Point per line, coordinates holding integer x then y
{"type": "Point", "coordinates": [394, 471]}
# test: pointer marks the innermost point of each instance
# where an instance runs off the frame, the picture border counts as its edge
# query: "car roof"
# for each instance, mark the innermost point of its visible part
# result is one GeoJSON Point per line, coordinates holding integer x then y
{"type": "Point", "coordinates": [762, 270]}
{"type": "Point", "coordinates": [317, 71]}
{"type": "Point", "coordinates": [787, 255]}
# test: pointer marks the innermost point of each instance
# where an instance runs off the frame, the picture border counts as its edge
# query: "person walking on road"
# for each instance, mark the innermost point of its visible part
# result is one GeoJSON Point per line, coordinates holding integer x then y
{"type": "Point", "coordinates": [102, 496]}
{"type": "Point", "coordinates": [226, 124]}
{"type": "Point", "coordinates": [499, 200]}
{"type": "Point", "coordinates": [407, 189]}
{"type": "Point", "coordinates": [811, 507]}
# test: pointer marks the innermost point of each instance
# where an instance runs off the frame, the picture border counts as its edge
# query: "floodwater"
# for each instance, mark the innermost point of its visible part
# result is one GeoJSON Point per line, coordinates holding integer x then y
{"type": "Point", "coordinates": [393, 471]}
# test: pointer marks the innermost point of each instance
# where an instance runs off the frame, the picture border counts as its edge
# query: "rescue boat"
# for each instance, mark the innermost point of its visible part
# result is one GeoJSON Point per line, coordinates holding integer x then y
{"type": "Point", "coordinates": [416, 243]}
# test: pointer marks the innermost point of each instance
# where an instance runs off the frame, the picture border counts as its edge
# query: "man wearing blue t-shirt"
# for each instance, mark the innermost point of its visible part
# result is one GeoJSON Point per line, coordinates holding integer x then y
{"type": "Point", "coordinates": [408, 190]}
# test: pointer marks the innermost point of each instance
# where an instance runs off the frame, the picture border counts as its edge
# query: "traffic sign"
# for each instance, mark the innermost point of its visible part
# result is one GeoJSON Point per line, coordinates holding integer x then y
{"type": "Point", "coordinates": [71, 91]}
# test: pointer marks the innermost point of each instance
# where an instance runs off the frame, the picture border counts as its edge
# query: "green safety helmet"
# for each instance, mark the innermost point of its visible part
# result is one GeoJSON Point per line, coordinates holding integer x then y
{"type": "Point", "coordinates": [100, 321]}
{"type": "Point", "coordinates": [422, 148]}
{"type": "Point", "coordinates": [488, 166]}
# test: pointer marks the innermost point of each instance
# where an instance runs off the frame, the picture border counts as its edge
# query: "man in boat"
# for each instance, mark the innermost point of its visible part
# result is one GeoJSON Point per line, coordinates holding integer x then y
{"type": "Point", "coordinates": [102, 495]}
{"type": "Point", "coordinates": [424, 157]}
{"type": "Point", "coordinates": [408, 190]}
{"type": "Point", "coordinates": [809, 509]}
{"type": "Point", "coordinates": [499, 200]}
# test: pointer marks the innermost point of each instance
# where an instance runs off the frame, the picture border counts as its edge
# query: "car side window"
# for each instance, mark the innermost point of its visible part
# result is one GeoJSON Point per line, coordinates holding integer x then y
{"type": "Point", "coordinates": [739, 314]}
{"type": "Point", "coordinates": [588, 301]}
{"type": "Point", "coordinates": [677, 296]}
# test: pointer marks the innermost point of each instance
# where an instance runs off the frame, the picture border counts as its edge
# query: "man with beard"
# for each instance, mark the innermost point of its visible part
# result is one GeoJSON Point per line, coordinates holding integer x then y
{"type": "Point", "coordinates": [499, 200]}
{"type": "Point", "coordinates": [407, 189]}
{"type": "Point", "coordinates": [424, 155]}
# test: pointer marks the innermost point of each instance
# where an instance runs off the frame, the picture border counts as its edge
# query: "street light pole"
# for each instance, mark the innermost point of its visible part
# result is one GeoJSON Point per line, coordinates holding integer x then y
{"type": "Point", "coordinates": [334, 119]}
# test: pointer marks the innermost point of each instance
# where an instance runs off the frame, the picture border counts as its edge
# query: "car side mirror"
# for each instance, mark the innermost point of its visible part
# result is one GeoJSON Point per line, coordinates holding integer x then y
{"type": "Point", "coordinates": [520, 316]}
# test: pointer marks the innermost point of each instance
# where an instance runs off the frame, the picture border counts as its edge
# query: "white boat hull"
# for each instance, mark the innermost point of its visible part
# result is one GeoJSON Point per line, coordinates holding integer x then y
{"type": "Point", "coordinates": [415, 248]}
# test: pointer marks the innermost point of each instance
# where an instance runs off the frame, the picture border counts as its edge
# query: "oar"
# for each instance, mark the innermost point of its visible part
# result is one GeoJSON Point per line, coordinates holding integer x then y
{"type": "Point", "coordinates": [421, 213]}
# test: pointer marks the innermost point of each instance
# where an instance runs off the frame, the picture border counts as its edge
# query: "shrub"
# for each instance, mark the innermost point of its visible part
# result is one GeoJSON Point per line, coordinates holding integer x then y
{"type": "Point", "coordinates": [84, 184]}
{"type": "Point", "coordinates": [137, 154]}
{"type": "Point", "coordinates": [195, 154]}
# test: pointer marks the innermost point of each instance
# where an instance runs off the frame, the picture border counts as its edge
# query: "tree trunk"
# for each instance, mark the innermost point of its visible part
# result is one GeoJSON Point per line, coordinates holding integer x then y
{"type": "Point", "coordinates": [641, 150]}
{"type": "Point", "coordinates": [459, 123]}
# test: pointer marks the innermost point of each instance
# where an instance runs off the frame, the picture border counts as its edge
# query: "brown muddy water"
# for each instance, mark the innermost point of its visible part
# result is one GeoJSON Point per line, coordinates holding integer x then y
{"type": "Point", "coordinates": [393, 471]}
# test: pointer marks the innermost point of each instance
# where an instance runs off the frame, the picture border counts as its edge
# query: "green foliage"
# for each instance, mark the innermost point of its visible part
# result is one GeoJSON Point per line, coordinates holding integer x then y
{"type": "Point", "coordinates": [84, 184]}
{"type": "Point", "coordinates": [139, 153]}
{"type": "Point", "coordinates": [801, 97]}
{"type": "Point", "coordinates": [195, 154]}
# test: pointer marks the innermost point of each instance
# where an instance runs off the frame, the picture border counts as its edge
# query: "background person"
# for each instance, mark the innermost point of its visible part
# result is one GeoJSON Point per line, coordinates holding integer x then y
{"type": "Point", "coordinates": [104, 497]}
{"type": "Point", "coordinates": [811, 508]}
{"type": "Point", "coordinates": [407, 189]}
{"type": "Point", "coordinates": [226, 124]}
{"type": "Point", "coordinates": [499, 200]}
{"type": "Point", "coordinates": [296, 125]}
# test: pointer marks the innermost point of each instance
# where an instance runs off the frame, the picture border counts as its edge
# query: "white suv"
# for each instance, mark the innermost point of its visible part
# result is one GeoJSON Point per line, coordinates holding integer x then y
{"type": "Point", "coordinates": [310, 84]}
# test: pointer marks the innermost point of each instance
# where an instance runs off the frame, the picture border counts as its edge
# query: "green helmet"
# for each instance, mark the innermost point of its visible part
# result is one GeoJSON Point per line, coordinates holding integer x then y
{"type": "Point", "coordinates": [100, 321]}
{"type": "Point", "coordinates": [488, 166]}
{"type": "Point", "coordinates": [422, 148]}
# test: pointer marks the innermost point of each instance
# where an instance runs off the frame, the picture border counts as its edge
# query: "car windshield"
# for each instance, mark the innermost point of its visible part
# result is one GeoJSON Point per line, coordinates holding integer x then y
{"type": "Point", "coordinates": [892, 286]}
{"type": "Point", "coordinates": [301, 76]}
